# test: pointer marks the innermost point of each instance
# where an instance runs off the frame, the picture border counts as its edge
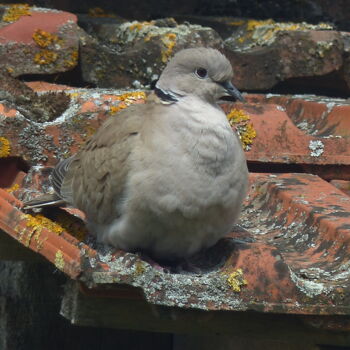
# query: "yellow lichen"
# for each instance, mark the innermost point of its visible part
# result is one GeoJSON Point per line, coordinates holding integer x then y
{"type": "Point", "coordinates": [236, 280]}
{"type": "Point", "coordinates": [39, 221]}
{"type": "Point", "coordinates": [44, 39]}
{"type": "Point", "coordinates": [59, 260]}
{"type": "Point", "coordinates": [253, 24]}
{"type": "Point", "coordinates": [169, 41]}
{"type": "Point", "coordinates": [45, 57]}
{"type": "Point", "coordinates": [73, 60]}
{"type": "Point", "coordinates": [74, 94]}
{"type": "Point", "coordinates": [28, 234]}
{"type": "Point", "coordinates": [15, 12]}
{"type": "Point", "coordinates": [246, 132]}
{"type": "Point", "coordinates": [5, 147]}
{"type": "Point", "coordinates": [39, 242]}
{"type": "Point", "coordinates": [237, 116]}
{"type": "Point", "coordinates": [35, 224]}
{"type": "Point", "coordinates": [248, 135]}
{"type": "Point", "coordinates": [265, 31]}
{"type": "Point", "coordinates": [13, 188]}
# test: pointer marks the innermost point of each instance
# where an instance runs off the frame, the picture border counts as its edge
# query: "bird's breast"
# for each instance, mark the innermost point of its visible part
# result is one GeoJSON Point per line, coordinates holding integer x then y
{"type": "Point", "coordinates": [186, 188]}
{"type": "Point", "coordinates": [190, 166]}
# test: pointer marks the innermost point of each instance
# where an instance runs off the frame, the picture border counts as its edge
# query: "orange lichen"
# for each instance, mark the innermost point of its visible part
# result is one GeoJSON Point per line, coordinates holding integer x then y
{"type": "Point", "coordinates": [115, 109]}
{"type": "Point", "coordinates": [45, 57]}
{"type": "Point", "coordinates": [246, 132]}
{"type": "Point", "coordinates": [15, 12]}
{"type": "Point", "coordinates": [169, 41]}
{"type": "Point", "coordinates": [5, 147]}
{"type": "Point", "coordinates": [44, 39]}
{"type": "Point", "coordinates": [130, 97]}
{"type": "Point", "coordinates": [236, 280]}
{"type": "Point", "coordinates": [126, 100]}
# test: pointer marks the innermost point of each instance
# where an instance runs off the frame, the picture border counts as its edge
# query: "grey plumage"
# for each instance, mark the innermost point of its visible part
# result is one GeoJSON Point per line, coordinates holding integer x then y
{"type": "Point", "coordinates": [167, 177]}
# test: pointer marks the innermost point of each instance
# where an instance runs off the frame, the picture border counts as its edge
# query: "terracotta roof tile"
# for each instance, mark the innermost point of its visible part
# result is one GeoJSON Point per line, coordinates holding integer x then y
{"type": "Point", "coordinates": [289, 252]}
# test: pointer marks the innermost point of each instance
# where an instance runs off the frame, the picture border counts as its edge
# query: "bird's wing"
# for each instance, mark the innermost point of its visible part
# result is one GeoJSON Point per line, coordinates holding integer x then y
{"type": "Point", "coordinates": [45, 200]}
{"type": "Point", "coordinates": [57, 177]}
{"type": "Point", "coordinates": [95, 178]}
{"type": "Point", "coordinates": [55, 199]}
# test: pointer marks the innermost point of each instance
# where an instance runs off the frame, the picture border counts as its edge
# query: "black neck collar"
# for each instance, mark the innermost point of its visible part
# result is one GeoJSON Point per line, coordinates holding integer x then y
{"type": "Point", "coordinates": [165, 96]}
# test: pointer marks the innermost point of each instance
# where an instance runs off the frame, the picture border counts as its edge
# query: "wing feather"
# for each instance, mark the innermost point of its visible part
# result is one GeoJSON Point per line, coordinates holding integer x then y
{"type": "Point", "coordinates": [94, 179]}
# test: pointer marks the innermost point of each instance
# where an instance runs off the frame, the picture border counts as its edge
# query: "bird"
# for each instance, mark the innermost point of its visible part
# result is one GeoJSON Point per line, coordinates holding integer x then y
{"type": "Point", "coordinates": [167, 177]}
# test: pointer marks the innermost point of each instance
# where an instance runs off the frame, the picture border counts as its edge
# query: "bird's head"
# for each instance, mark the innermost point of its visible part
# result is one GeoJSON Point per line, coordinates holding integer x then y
{"type": "Point", "coordinates": [202, 72]}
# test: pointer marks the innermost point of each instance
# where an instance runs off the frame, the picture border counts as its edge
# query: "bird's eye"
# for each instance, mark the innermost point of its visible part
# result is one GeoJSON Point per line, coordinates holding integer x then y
{"type": "Point", "coordinates": [201, 73]}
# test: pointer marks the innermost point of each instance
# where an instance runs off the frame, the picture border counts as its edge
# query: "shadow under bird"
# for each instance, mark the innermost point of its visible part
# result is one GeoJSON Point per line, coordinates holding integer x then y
{"type": "Point", "coordinates": [167, 177]}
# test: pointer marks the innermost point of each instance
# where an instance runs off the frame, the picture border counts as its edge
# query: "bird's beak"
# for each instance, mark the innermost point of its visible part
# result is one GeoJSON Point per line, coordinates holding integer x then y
{"type": "Point", "coordinates": [232, 91]}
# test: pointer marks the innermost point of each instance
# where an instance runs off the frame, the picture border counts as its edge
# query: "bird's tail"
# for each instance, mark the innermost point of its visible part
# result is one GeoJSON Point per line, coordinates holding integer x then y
{"type": "Point", "coordinates": [45, 200]}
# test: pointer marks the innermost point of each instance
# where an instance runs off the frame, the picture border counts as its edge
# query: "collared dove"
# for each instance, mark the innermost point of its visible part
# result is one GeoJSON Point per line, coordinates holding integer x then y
{"type": "Point", "coordinates": [167, 177]}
